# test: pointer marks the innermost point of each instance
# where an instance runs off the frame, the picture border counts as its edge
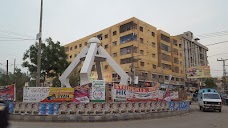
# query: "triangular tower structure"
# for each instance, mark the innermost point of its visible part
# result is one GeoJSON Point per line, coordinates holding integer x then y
{"type": "Point", "coordinates": [91, 53]}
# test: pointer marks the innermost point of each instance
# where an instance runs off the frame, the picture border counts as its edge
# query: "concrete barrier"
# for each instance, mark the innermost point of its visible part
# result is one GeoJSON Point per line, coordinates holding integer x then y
{"type": "Point", "coordinates": [90, 112]}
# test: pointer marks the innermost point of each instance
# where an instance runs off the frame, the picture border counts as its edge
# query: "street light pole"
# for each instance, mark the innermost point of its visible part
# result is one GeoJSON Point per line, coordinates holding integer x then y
{"type": "Point", "coordinates": [39, 47]}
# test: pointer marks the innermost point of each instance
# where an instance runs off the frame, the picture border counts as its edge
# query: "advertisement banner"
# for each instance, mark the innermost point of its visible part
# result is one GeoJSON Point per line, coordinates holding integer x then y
{"type": "Point", "coordinates": [48, 94]}
{"type": "Point", "coordinates": [98, 91]}
{"type": "Point", "coordinates": [174, 95]}
{"type": "Point", "coordinates": [7, 92]}
{"type": "Point", "coordinates": [198, 72]}
{"type": "Point", "coordinates": [118, 93]}
{"type": "Point", "coordinates": [82, 93]}
{"type": "Point", "coordinates": [35, 94]}
{"type": "Point", "coordinates": [139, 94]}
{"type": "Point", "coordinates": [60, 95]}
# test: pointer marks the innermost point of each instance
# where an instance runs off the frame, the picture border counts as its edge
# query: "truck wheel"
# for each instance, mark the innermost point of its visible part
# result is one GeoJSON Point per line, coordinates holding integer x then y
{"type": "Point", "coordinates": [220, 110]}
{"type": "Point", "coordinates": [204, 109]}
{"type": "Point", "coordinates": [200, 107]}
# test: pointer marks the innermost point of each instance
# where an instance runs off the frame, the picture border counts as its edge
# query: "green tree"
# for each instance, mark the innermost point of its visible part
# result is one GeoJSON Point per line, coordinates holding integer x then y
{"type": "Point", "coordinates": [74, 80]}
{"type": "Point", "coordinates": [53, 59]}
{"type": "Point", "coordinates": [17, 78]}
{"type": "Point", "coordinates": [210, 83]}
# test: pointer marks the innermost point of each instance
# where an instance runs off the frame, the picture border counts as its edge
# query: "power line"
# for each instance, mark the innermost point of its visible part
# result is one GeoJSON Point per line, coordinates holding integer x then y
{"type": "Point", "coordinates": [213, 33]}
{"type": "Point", "coordinates": [217, 43]}
{"type": "Point", "coordinates": [19, 40]}
{"type": "Point", "coordinates": [15, 38]}
{"type": "Point", "coordinates": [218, 54]}
{"type": "Point", "coordinates": [14, 33]}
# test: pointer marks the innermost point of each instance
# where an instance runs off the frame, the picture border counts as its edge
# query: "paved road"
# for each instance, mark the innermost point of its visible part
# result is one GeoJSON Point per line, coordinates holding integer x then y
{"type": "Point", "coordinates": [195, 119]}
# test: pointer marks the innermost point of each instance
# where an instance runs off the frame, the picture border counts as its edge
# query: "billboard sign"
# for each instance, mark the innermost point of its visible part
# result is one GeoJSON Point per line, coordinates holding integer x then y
{"type": "Point", "coordinates": [198, 72]}
{"type": "Point", "coordinates": [7, 92]}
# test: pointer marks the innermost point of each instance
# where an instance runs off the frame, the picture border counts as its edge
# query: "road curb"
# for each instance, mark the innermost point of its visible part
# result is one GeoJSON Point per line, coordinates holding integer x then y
{"type": "Point", "coordinates": [96, 118]}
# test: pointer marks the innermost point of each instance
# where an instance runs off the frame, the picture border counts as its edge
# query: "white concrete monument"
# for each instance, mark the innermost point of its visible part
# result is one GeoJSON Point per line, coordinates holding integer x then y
{"type": "Point", "coordinates": [91, 53]}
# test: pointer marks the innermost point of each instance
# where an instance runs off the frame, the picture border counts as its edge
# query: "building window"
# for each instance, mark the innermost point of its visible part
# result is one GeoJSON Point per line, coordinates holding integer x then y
{"type": "Point", "coordinates": [166, 66]}
{"type": "Point", "coordinates": [141, 40]}
{"type": "Point", "coordinates": [80, 45]}
{"type": "Point", "coordinates": [176, 69]}
{"type": "Point", "coordinates": [180, 62]}
{"type": "Point", "coordinates": [126, 50]}
{"type": "Point", "coordinates": [114, 43]}
{"type": "Point", "coordinates": [165, 38]}
{"type": "Point", "coordinates": [153, 55]}
{"type": "Point", "coordinates": [180, 54]}
{"type": "Point", "coordinates": [142, 64]}
{"type": "Point", "coordinates": [85, 43]}
{"type": "Point", "coordinates": [66, 49]}
{"type": "Point", "coordinates": [99, 37]}
{"type": "Point", "coordinates": [175, 51]}
{"type": "Point", "coordinates": [128, 26]}
{"type": "Point", "coordinates": [106, 36]}
{"type": "Point", "coordinates": [70, 48]}
{"type": "Point", "coordinates": [180, 45]}
{"type": "Point", "coordinates": [154, 76]}
{"type": "Point", "coordinates": [141, 29]}
{"type": "Point", "coordinates": [153, 44]}
{"type": "Point", "coordinates": [141, 52]}
{"type": "Point", "coordinates": [75, 47]}
{"type": "Point", "coordinates": [175, 42]}
{"type": "Point", "coordinates": [176, 61]}
{"type": "Point", "coordinates": [153, 34]}
{"type": "Point", "coordinates": [114, 54]}
{"type": "Point", "coordinates": [114, 33]}
{"type": "Point", "coordinates": [165, 47]}
{"type": "Point", "coordinates": [177, 79]}
{"type": "Point", "coordinates": [154, 66]}
{"type": "Point", "coordinates": [125, 61]}
{"type": "Point", "coordinates": [128, 38]}
{"type": "Point", "coordinates": [166, 77]}
{"type": "Point", "coordinates": [70, 56]}
{"type": "Point", "coordinates": [106, 46]}
{"type": "Point", "coordinates": [106, 66]}
{"type": "Point", "coordinates": [165, 57]}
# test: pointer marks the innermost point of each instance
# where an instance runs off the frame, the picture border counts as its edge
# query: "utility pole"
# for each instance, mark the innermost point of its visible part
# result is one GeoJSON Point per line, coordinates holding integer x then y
{"type": "Point", "coordinates": [7, 76]}
{"type": "Point", "coordinates": [224, 74]}
{"type": "Point", "coordinates": [39, 36]}
{"type": "Point", "coordinates": [14, 66]}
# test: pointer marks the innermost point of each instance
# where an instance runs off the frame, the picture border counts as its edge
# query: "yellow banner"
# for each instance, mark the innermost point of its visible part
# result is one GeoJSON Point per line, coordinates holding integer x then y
{"type": "Point", "coordinates": [60, 95]}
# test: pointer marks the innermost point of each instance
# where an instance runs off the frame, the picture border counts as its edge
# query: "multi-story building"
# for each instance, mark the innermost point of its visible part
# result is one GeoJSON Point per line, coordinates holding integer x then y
{"type": "Point", "coordinates": [140, 49]}
{"type": "Point", "coordinates": [195, 56]}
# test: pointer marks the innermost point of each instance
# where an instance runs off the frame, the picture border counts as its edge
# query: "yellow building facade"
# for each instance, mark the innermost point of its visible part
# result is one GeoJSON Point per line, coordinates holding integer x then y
{"type": "Point", "coordinates": [142, 51]}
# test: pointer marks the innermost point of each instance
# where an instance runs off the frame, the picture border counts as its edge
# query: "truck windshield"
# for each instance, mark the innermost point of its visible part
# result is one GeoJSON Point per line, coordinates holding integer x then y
{"type": "Point", "coordinates": [211, 96]}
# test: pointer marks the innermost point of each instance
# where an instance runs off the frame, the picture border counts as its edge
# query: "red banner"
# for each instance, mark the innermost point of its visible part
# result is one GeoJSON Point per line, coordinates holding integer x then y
{"type": "Point", "coordinates": [7, 92]}
{"type": "Point", "coordinates": [81, 94]}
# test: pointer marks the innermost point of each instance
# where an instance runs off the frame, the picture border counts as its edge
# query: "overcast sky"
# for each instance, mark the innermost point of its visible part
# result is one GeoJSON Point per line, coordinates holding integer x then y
{"type": "Point", "coordinates": [69, 20]}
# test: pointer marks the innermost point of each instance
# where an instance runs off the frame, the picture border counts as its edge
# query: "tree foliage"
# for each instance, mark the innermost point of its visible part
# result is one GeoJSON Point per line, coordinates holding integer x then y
{"type": "Point", "coordinates": [53, 59]}
{"type": "Point", "coordinates": [210, 83]}
{"type": "Point", "coordinates": [17, 78]}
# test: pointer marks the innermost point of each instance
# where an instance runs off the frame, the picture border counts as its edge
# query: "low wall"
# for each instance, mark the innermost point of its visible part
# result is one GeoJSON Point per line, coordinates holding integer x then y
{"type": "Point", "coordinates": [90, 112]}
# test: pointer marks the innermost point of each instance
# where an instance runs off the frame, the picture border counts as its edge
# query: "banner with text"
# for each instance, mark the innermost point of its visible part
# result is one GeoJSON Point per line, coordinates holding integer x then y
{"type": "Point", "coordinates": [48, 94]}
{"type": "Point", "coordinates": [7, 92]}
{"type": "Point", "coordinates": [98, 91]}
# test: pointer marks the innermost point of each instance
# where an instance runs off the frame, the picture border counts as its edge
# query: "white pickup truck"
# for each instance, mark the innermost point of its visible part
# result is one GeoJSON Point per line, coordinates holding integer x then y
{"type": "Point", "coordinates": [209, 101]}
